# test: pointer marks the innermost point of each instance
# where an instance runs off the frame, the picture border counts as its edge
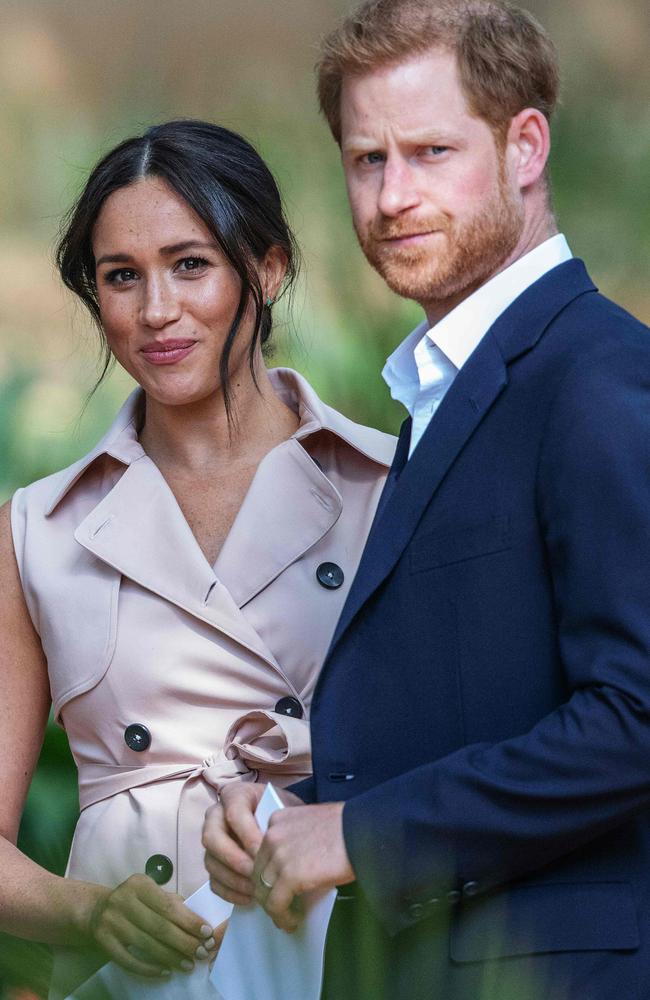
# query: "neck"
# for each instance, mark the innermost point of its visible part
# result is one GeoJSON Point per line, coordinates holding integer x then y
{"type": "Point", "coordinates": [196, 438]}
{"type": "Point", "coordinates": [537, 230]}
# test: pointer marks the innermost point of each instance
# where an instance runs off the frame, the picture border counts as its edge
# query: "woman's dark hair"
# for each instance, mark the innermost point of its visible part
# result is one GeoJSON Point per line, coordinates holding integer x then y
{"type": "Point", "coordinates": [229, 187]}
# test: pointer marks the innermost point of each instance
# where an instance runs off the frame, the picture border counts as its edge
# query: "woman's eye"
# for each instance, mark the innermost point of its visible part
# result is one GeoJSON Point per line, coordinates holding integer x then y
{"type": "Point", "coordinates": [121, 276]}
{"type": "Point", "coordinates": [189, 264]}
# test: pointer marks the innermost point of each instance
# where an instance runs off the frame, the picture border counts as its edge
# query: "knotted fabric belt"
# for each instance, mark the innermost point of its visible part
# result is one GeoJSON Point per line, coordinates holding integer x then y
{"type": "Point", "coordinates": [259, 741]}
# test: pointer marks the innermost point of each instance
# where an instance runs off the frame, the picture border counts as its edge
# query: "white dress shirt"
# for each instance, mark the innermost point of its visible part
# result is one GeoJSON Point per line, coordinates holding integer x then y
{"type": "Point", "coordinates": [424, 365]}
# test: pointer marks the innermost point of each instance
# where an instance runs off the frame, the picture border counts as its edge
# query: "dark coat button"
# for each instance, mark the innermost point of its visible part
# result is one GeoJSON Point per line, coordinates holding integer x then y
{"type": "Point", "coordinates": [453, 897]}
{"type": "Point", "coordinates": [289, 706]}
{"type": "Point", "coordinates": [137, 737]}
{"type": "Point", "coordinates": [330, 575]}
{"type": "Point", "coordinates": [159, 868]}
{"type": "Point", "coordinates": [416, 911]}
{"type": "Point", "coordinates": [471, 889]}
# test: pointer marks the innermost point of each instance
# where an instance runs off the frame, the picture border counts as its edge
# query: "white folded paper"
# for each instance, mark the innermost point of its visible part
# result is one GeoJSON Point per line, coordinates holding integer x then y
{"type": "Point", "coordinates": [257, 961]}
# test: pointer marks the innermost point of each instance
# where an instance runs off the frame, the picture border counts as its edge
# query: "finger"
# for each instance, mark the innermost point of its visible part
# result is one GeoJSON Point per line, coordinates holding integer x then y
{"type": "Point", "coordinates": [118, 953]}
{"type": "Point", "coordinates": [151, 950]}
{"type": "Point", "coordinates": [220, 844]}
{"type": "Point", "coordinates": [240, 821]}
{"type": "Point", "coordinates": [219, 934]}
{"type": "Point", "coordinates": [222, 875]}
{"type": "Point", "coordinates": [184, 945]}
{"type": "Point", "coordinates": [281, 908]}
{"type": "Point", "coordinates": [263, 866]}
{"type": "Point", "coordinates": [229, 895]}
{"type": "Point", "coordinates": [173, 909]}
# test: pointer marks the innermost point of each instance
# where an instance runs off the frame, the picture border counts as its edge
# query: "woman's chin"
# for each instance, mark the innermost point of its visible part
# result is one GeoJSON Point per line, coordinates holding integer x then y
{"type": "Point", "coordinates": [180, 394]}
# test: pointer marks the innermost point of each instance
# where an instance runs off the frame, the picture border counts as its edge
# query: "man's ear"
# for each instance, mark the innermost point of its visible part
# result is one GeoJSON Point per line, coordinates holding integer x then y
{"type": "Point", "coordinates": [272, 271]}
{"type": "Point", "coordinates": [528, 146]}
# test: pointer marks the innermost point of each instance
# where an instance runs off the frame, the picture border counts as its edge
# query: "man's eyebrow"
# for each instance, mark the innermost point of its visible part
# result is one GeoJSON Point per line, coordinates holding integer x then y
{"type": "Point", "coordinates": [166, 251]}
{"type": "Point", "coordinates": [427, 137]}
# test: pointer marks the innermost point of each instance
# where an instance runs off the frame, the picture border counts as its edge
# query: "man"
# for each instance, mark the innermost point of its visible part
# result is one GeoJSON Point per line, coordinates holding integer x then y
{"type": "Point", "coordinates": [481, 737]}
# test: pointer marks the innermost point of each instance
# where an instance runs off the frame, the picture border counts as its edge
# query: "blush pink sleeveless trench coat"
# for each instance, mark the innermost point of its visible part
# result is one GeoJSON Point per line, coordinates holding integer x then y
{"type": "Point", "coordinates": [172, 676]}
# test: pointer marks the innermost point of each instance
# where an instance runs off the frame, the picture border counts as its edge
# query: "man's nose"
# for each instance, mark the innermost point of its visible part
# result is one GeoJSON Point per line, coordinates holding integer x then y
{"type": "Point", "coordinates": [159, 305]}
{"type": "Point", "coordinates": [399, 190]}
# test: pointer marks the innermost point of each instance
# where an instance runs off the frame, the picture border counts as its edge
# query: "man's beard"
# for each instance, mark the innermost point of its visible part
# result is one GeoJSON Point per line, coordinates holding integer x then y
{"type": "Point", "coordinates": [468, 255]}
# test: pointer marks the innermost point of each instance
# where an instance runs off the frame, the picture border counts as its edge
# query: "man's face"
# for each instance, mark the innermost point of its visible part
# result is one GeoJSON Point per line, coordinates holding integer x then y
{"type": "Point", "coordinates": [434, 206]}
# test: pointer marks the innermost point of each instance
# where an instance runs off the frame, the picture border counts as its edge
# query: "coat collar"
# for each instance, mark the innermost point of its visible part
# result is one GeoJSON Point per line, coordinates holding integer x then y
{"type": "Point", "coordinates": [121, 441]}
{"type": "Point", "coordinates": [520, 327]}
{"type": "Point", "coordinates": [138, 528]}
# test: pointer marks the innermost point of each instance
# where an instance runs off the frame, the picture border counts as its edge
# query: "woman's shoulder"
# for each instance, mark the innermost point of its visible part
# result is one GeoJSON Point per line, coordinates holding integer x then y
{"type": "Point", "coordinates": [119, 442]}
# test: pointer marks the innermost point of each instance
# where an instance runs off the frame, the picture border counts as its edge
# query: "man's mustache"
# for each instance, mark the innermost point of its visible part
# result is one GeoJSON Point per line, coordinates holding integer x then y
{"type": "Point", "coordinates": [395, 230]}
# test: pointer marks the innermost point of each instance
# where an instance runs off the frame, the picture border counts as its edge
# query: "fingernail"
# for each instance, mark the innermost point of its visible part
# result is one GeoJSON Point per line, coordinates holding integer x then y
{"type": "Point", "coordinates": [210, 944]}
{"type": "Point", "coordinates": [186, 965]}
{"type": "Point", "coordinates": [201, 953]}
{"type": "Point", "coordinates": [206, 931]}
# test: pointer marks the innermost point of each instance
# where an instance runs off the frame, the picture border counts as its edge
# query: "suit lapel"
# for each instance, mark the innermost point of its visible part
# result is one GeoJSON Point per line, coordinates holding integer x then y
{"type": "Point", "coordinates": [400, 460]}
{"type": "Point", "coordinates": [139, 530]}
{"type": "Point", "coordinates": [469, 398]}
{"type": "Point", "coordinates": [481, 380]}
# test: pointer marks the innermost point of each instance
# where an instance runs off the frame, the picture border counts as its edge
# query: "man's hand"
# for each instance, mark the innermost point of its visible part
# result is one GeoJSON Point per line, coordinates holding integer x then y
{"type": "Point", "coordinates": [303, 850]}
{"type": "Point", "coordinates": [231, 838]}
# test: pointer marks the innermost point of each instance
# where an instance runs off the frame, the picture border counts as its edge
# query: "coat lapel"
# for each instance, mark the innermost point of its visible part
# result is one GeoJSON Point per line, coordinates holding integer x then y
{"type": "Point", "coordinates": [411, 486]}
{"type": "Point", "coordinates": [289, 507]}
{"type": "Point", "coordinates": [469, 398]}
{"type": "Point", "coordinates": [139, 530]}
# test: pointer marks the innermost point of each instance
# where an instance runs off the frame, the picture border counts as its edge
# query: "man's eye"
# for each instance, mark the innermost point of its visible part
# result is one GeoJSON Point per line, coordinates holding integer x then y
{"type": "Point", "coordinates": [192, 264]}
{"type": "Point", "coordinates": [437, 150]}
{"type": "Point", "coordinates": [372, 158]}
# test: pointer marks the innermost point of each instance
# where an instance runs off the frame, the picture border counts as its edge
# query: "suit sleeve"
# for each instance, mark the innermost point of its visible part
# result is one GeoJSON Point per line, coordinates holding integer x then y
{"type": "Point", "coordinates": [491, 813]}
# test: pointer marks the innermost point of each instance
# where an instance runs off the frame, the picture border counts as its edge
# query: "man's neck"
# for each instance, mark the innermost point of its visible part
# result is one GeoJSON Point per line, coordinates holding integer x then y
{"type": "Point", "coordinates": [536, 232]}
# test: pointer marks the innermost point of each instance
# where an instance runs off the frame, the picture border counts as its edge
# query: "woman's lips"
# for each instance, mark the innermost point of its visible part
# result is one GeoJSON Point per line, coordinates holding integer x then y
{"type": "Point", "coordinates": [167, 352]}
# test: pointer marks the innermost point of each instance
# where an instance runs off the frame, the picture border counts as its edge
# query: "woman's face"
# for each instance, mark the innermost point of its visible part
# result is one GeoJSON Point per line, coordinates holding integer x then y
{"type": "Point", "coordinates": [167, 295]}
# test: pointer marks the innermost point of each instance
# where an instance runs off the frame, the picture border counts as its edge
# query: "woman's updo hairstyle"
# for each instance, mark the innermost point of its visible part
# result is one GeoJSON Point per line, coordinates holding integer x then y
{"type": "Point", "coordinates": [224, 181]}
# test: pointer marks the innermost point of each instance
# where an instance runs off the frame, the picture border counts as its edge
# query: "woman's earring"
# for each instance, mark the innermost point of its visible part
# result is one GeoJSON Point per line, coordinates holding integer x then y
{"type": "Point", "coordinates": [269, 301]}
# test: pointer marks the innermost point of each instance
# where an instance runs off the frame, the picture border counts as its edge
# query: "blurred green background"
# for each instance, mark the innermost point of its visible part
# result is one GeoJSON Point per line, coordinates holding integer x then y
{"type": "Point", "coordinates": [75, 79]}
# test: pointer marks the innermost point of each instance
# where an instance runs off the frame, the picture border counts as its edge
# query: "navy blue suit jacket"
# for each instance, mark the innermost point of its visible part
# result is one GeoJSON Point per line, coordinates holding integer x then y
{"type": "Point", "coordinates": [484, 708]}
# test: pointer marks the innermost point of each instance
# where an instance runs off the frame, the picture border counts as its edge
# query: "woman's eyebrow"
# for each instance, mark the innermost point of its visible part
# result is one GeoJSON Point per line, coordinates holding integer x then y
{"type": "Point", "coordinates": [187, 245]}
{"type": "Point", "coordinates": [114, 258]}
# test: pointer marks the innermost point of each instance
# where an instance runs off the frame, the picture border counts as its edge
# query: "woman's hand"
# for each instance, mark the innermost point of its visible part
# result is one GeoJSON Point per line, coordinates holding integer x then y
{"type": "Point", "coordinates": [232, 838]}
{"type": "Point", "coordinates": [148, 931]}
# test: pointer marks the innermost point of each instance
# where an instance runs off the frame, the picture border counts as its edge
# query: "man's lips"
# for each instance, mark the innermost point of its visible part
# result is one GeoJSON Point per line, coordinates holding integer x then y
{"type": "Point", "coordinates": [407, 239]}
{"type": "Point", "coordinates": [167, 352]}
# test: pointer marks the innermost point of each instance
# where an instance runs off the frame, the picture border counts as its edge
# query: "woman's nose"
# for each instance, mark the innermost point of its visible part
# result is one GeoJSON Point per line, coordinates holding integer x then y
{"type": "Point", "coordinates": [160, 306]}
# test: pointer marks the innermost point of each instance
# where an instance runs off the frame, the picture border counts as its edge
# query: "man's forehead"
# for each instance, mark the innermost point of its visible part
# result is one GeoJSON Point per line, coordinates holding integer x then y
{"type": "Point", "coordinates": [411, 97]}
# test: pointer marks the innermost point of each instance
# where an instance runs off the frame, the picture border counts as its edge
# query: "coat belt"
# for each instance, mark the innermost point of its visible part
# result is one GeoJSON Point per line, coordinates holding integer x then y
{"type": "Point", "coordinates": [259, 741]}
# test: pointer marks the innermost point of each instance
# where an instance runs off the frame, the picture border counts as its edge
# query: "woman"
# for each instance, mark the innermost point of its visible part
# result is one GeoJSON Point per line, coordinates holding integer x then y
{"type": "Point", "coordinates": [174, 592]}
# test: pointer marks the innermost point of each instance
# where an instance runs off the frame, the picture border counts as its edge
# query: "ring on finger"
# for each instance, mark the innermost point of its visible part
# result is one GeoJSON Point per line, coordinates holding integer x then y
{"type": "Point", "coordinates": [267, 885]}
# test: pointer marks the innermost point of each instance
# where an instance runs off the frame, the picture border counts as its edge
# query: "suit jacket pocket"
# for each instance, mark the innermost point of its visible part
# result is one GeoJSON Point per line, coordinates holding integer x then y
{"type": "Point", "coordinates": [443, 548]}
{"type": "Point", "coordinates": [550, 917]}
